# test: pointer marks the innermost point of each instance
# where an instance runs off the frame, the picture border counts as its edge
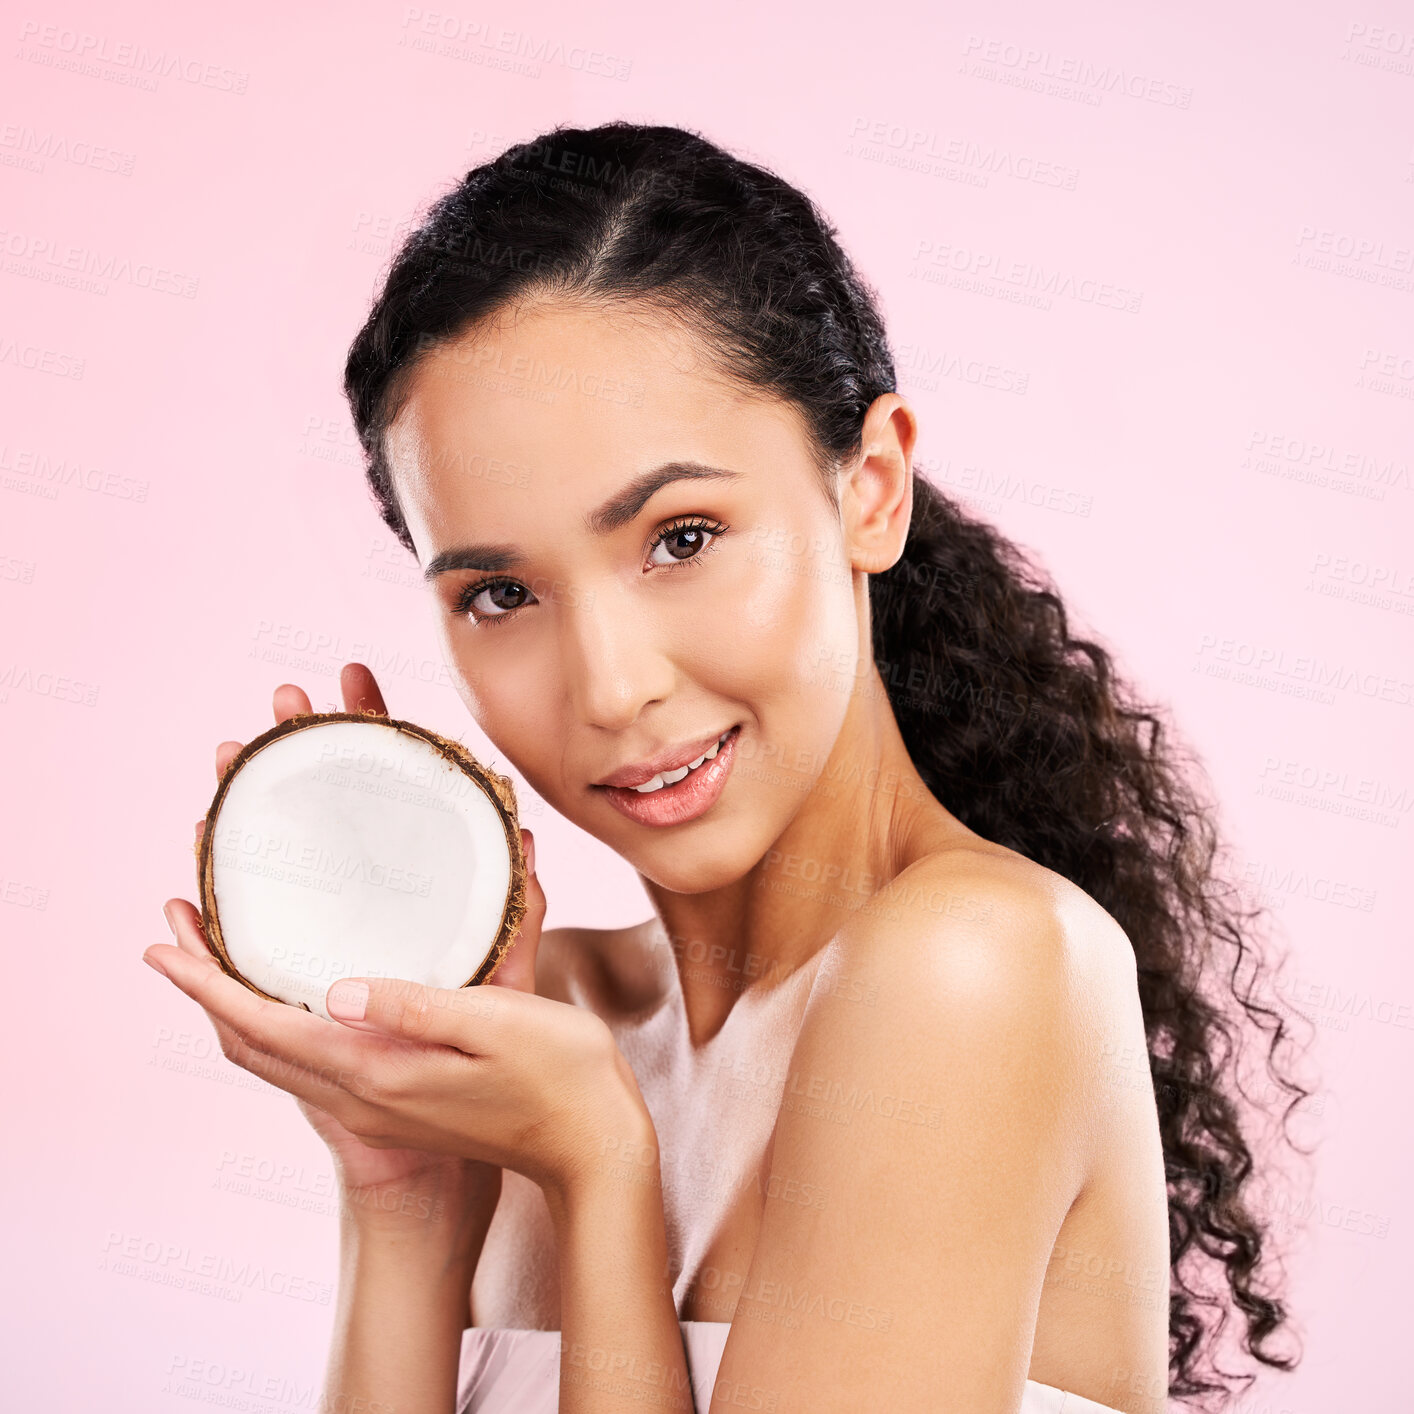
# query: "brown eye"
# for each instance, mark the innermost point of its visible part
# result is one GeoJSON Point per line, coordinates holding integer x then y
{"type": "Point", "coordinates": [505, 596]}
{"type": "Point", "coordinates": [685, 540]}
{"type": "Point", "coordinates": [683, 544]}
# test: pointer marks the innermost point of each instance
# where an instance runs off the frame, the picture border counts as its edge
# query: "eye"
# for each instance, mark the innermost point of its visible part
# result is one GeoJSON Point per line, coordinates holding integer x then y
{"type": "Point", "coordinates": [685, 540]}
{"type": "Point", "coordinates": [498, 591]}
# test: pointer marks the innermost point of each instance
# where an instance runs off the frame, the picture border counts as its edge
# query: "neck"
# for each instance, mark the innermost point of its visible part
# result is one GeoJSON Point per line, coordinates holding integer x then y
{"type": "Point", "coordinates": [866, 817]}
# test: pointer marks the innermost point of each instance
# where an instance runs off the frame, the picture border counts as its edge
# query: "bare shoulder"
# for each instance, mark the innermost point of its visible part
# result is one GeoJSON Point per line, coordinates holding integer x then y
{"type": "Point", "coordinates": [566, 962]}
{"type": "Point", "coordinates": [608, 970]}
{"type": "Point", "coordinates": [943, 1093]}
{"type": "Point", "coordinates": [989, 975]}
{"type": "Point", "coordinates": [962, 923]}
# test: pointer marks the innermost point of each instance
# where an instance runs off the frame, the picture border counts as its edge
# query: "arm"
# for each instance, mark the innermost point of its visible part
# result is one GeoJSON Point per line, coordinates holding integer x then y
{"type": "Point", "coordinates": [412, 1223]}
{"type": "Point", "coordinates": [620, 1342]}
{"type": "Point", "coordinates": [405, 1268]}
{"type": "Point", "coordinates": [949, 1127]}
{"type": "Point", "coordinates": [407, 1260]}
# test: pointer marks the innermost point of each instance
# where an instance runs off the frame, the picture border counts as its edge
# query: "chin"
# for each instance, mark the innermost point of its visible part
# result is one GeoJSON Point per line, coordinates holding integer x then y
{"type": "Point", "coordinates": [696, 868]}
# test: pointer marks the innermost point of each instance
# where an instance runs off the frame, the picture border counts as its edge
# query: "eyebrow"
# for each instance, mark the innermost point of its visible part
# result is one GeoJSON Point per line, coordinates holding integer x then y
{"type": "Point", "coordinates": [618, 511]}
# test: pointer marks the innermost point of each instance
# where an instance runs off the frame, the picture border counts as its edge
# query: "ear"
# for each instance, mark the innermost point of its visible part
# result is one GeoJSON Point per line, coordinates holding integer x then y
{"type": "Point", "coordinates": [876, 493]}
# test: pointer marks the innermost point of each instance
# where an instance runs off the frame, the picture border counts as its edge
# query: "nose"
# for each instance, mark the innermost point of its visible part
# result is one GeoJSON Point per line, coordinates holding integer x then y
{"type": "Point", "coordinates": [614, 658]}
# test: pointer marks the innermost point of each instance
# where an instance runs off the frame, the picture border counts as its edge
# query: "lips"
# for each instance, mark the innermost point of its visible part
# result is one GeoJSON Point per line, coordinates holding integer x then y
{"type": "Point", "coordinates": [665, 764]}
{"type": "Point", "coordinates": [691, 794]}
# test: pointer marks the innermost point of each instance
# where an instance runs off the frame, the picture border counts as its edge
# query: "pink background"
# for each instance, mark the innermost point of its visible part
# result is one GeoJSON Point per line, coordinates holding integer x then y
{"type": "Point", "coordinates": [1219, 479]}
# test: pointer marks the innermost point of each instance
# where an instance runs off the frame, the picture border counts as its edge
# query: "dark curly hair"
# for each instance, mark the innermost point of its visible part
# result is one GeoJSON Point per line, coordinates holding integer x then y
{"type": "Point", "coordinates": [1021, 729]}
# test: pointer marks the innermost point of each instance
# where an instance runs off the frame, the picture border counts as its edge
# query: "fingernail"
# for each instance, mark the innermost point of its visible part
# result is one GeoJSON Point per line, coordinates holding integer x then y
{"type": "Point", "coordinates": [168, 917]}
{"type": "Point", "coordinates": [529, 853]}
{"type": "Point", "coordinates": [347, 1000]}
{"type": "Point", "coordinates": [151, 960]}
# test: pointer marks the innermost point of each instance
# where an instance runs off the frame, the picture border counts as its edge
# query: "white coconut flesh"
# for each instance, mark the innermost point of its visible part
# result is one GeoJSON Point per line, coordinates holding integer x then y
{"type": "Point", "coordinates": [356, 849]}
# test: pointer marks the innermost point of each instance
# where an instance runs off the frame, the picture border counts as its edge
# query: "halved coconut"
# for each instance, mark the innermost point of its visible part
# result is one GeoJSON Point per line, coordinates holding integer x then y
{"type": "Point", "coordinates": [348, 844]}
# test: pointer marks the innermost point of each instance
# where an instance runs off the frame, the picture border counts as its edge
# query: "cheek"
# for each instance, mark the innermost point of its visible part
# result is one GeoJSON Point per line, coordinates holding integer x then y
{"type": "Point", "coordinates": [467, 677]}
{"type": "Point", "coordinates": [792, 637]}
{"type": "Point", "coordinates": [506, 698]}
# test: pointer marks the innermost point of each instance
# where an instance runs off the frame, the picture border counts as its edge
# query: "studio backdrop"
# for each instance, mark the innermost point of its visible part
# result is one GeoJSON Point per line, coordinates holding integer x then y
{"type": "Point", "coordinates": [1148, 276]}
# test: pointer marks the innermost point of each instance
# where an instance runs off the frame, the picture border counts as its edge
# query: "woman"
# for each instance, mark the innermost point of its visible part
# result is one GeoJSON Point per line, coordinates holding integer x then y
{"type": "Point", "coordinates": [913, 1092]}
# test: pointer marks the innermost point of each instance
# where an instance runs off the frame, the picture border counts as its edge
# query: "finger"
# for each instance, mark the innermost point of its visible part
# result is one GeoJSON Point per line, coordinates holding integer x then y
{"type": "Point", "coordinates": [270, 1026]}
{"type": "Point", "coordinates": [185, 921]}
{"type": "Point", "coordinates": [360, 689]}
{"type": "Point", "coordinates": [191, 938]}
{"type": "Point", "coordinates": [225, 754]}
{"type": "Point", "coordinates": [516, 969]}
{"type": "Point", "coordinates": [336, 1087]}
{"type": "Point", "coordinates": [471, 1019]}
{"type": "Point", "coordinates": [328, 1072]}
{"type": "Point", "coordinates": [317, 1066]}
{"type": "Point", "coordinates": [290, 701]}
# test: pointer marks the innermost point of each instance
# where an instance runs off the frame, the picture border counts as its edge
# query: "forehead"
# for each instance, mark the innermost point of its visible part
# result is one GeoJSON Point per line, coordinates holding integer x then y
{"type": "Point", "coordinates": [563, 403]}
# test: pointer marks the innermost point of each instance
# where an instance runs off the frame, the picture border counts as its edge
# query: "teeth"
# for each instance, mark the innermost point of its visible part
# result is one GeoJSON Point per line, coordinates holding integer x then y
{"type": "Point", "coordinates": [668, 778]}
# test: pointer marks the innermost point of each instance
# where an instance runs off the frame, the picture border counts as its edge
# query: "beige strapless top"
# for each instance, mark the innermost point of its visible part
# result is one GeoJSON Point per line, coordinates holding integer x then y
{"type": "Point", "coordinates": [509, 1371]}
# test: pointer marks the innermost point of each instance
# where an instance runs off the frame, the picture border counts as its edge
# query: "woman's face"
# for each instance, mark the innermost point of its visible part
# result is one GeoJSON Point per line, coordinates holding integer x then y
{"type": "Point", "coordinates": [600, 612]}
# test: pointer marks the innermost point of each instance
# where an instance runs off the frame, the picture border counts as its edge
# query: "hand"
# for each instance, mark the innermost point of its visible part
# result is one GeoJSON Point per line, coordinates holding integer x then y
{"type": "Point", "coordinates": [390, 1094]}
{"type": "Point", "coordinates": [374, 1179]}
{"type": "Point", "coordinates": [494, 1075]}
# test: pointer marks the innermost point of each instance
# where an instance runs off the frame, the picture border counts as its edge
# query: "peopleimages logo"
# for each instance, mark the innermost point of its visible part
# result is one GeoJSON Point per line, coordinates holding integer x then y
{"type": "Point", "coordinates": [211, 1273]}
{"type": "Point", "coordinates": [1292, 457]}
{"type": "Point", "coordinates": [59, 262]}
{"type": "Point", "coordinates": [56, 46]}
{"type": "Point", "coordinates": [457, 37]}
{"type": "Point", "coordinates": [966, 267]}
{"type": "Point", "coordinates": [54, 471]}
{"type": "Point", "coordinates": [23, 146]}
{"type": "Point", "coordinates": [39, 359]}
{"type": "Point", "coordinates": [899, 144]}
{"type": "Point", "coordinates": [1028, 67]}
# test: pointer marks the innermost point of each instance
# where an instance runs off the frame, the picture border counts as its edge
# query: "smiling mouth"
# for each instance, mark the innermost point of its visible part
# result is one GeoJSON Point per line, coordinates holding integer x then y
{"type": "Point", "coordinates": [671, 778]}
{"type": "Point", "coordinates": [683, 794]}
